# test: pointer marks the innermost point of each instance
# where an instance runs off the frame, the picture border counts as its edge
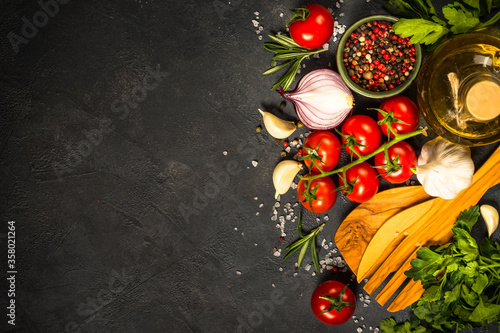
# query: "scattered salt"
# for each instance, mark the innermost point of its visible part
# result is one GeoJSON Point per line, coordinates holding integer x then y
{"type": "Point", "coordinates": [254, 163]}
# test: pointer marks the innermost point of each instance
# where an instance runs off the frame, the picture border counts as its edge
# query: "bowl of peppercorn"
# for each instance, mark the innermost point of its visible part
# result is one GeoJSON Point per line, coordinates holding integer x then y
{"type": "Point", "coordinates": [374, 61]}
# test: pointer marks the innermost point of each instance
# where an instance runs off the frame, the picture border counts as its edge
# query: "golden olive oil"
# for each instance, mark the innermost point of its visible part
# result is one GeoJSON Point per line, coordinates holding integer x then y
{"type": "Point", "coordinates": [459, 89]}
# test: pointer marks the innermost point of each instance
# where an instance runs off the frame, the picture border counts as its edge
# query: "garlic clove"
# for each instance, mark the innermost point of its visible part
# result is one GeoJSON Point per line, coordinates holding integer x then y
{"type": "Point", "coordinates": [283, 175]}
{"type": "Point", "coordinates": [490, 216]}
{"type": "Point", "coordinates": [277, 127]}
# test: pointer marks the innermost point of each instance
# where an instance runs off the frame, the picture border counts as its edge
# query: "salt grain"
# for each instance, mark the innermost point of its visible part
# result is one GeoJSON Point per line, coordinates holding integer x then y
{"type": "Point", "coordinates": [261, 205]}
{"type": "Point", "coordinates": [255, 23]}
{"type": "Point", "coordinates": [254, 163]}
{"type": "Point", "coordinates": [224, 153]}
{"type": "Point", "coordinates": [238, 273]}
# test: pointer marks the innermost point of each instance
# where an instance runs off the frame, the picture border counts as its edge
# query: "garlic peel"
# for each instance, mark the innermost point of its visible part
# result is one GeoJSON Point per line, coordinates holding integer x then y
{"type": "Point", "coordinates": [277, 127]}
{"type": "Point", "coordinates": [490, 216]}
{"type": "Point", "coordinates": [444, 168]}
{"type": "Point", "coordinates": [283, 175]}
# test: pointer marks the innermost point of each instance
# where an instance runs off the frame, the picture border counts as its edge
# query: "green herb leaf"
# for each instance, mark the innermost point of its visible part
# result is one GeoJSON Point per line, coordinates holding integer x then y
{"type": "Point", "coordinates": [303, 244]}
{"type": "Point", "coordinates": [285, 49]}
{"type": "Point", "coordinates": [387, 325]}
{"type": "Point", "coordinates": [461, 21]}
{"type": "Point", "coordinates": [420, 30]}
{"type": "Point", "coordinates": [485, 313]}
{"type": "Point", "coordinates": [401, 8]}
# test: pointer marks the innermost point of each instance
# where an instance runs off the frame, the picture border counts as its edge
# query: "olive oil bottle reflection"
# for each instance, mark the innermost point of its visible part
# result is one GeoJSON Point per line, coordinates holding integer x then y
{"type": "Point", "coordinates": [459, 89]}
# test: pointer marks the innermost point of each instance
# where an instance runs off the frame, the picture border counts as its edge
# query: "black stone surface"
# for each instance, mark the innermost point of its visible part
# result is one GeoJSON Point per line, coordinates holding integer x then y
{"type": "Point", "coordinates": [129, 217]}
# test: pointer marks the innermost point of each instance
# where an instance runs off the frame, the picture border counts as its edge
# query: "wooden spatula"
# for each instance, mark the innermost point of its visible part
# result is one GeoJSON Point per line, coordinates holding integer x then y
{"type": "Point", "coordinates": [417, 229]}
{"type": "Point", "coordinates": [362, 223]}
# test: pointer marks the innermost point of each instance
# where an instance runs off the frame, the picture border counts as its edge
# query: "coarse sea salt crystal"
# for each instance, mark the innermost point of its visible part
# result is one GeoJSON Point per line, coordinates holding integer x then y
{"type": "Point", "coordinates": [254, 163]}
{"type": "Point", "coordinates": [238, 273]}
{"type": "Point", "coordinates": [224, 153]}
{"type": "Point", "coordinates": [255, 23]}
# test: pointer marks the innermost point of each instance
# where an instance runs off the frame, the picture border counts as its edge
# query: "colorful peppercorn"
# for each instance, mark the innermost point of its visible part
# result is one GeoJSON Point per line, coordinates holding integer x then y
{"type": "Point", "coordinates": [376, 58]}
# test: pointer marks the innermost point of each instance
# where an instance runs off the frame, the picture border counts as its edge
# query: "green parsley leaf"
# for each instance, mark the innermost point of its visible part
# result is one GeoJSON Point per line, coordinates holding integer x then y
{"type": "Point", "coordinates": [387, 325]}
{"type": "Point", "coordinates": [480, 284]}
{"type": "Point", "coordinates": [485, 313]}
{"type": "Point", "coordinates": [401, 8]}
{"type": "Point", "coordinates": [420, 30]}
{"type": "Point", "coordinates": [461, 21]}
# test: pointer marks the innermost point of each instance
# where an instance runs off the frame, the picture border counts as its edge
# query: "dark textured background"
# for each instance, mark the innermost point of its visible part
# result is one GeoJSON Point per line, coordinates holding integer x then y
{"type": "Point", "coordinates": [129, 216]}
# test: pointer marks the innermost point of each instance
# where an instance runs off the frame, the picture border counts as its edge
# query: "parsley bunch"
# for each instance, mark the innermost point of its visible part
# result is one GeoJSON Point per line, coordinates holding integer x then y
{"type": "Point", "coordinates": [461, 282]}
{"type": "Point", "coordinates": [420, 21]}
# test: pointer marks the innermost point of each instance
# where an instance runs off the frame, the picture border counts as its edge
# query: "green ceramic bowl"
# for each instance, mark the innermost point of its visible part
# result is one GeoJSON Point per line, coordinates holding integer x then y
{"type": "Point", "coordinates": [355, 87]}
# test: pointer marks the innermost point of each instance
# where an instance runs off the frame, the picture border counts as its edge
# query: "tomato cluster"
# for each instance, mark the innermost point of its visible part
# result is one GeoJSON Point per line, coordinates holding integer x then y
{"type": "Point", "coordinates": [361, 136]}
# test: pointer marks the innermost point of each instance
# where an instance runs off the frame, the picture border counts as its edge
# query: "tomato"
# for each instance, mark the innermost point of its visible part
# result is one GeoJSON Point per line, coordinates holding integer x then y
{"type": "Point", "coordinates": [336, 297]}
{"type": "Point", "coordinates": [401, 171]}
{"type": "Point", "coordinates": [363, 180]}
{"type": "Point", "coordinates": [311, 27]}
{"type": "Point", "coordinates": [360, 135]}
{"type": "Point", "coordinates": [402, 108]}
{"type": "Point", "coordinates": [328, 150]}
{"type": "Point", "coordinates": [322, 194]}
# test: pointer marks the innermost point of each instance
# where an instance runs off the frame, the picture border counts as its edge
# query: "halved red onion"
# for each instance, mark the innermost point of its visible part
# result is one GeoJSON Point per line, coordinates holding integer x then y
{"type": "Point", "coordinates": [321, 99]}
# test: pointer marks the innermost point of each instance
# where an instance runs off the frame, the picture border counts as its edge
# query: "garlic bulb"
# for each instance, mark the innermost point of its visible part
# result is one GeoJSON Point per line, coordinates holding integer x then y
{"type": "Point", "coordinates": [444, 168]}
{"type": "Point", "coordinates": [283, 175]}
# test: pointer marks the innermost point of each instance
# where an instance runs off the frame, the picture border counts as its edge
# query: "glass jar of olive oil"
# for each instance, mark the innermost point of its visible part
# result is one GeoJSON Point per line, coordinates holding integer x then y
{"type": "Point", "coordinates": [459, 89]}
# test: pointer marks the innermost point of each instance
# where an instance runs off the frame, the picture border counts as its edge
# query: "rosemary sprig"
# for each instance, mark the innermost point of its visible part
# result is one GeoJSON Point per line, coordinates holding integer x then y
{"type": "Point", "coordinates": [291, 53]}
{"type": "Point", "coordinates": [303, 243]}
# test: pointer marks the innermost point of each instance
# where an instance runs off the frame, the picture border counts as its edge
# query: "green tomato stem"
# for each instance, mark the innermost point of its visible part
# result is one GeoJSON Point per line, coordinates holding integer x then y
{"type": "Point", "coordinates": [398, 138]}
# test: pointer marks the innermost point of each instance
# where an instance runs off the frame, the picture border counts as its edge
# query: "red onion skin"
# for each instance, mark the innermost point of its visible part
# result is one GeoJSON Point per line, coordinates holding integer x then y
{"type": "Point", "coordinates": [314, 118]}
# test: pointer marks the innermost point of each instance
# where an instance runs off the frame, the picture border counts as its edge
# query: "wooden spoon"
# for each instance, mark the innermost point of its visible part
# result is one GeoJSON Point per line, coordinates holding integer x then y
{"type": "Point", "coordinates": [431, 227]}
{"type": "Point", "coordinates": [358, 228]}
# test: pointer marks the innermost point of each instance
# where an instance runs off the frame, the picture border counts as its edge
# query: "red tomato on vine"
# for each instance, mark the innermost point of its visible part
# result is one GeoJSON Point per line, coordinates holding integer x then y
{"type": "Point", "coordinates": [321, 196]}
{"type": "Point", "coordinates": [401, 159]}
{"type": "Point", "coordinates": [327, 147]}
{"type": "Point", "coordinates": [360, 135]}
{"type": "Point", "coordinates": [403, 113]}
{"type": "Point", "coordinates": [363, 182]}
